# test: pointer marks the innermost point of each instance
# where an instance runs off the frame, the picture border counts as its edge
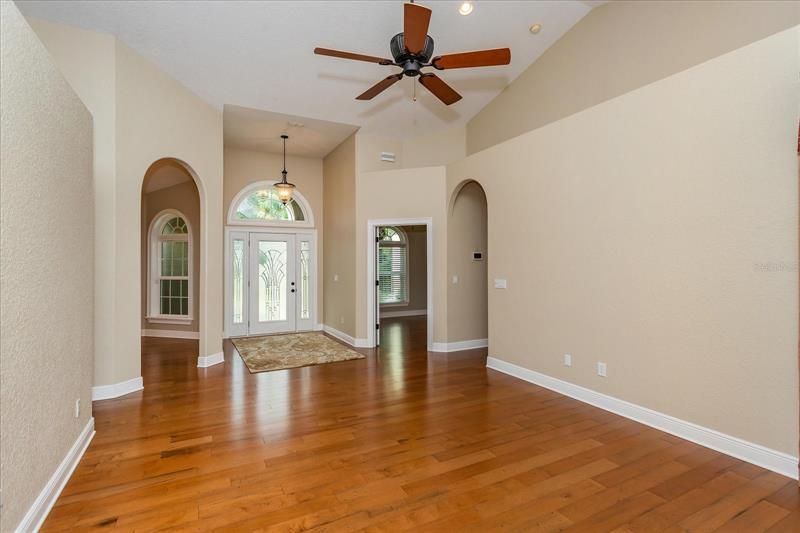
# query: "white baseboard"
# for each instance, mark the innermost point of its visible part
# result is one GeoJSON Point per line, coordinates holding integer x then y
{"type": "Point", "coordinates": [398, 314]}
{"type": "Point", "coordinates": [756, 454]}
{"type": "Point", "coordinates": [344, 337]}
{"type": "Point", "coordinates": [106, 392]}
{"type": "Point", "coordinates": [205, 361]}
{"type": "Point", "coordinates": [44, 502]}
{"type": "Point", "coordinates": [170, 334]}
{"type": "Point", "coordinates": [459, 345]}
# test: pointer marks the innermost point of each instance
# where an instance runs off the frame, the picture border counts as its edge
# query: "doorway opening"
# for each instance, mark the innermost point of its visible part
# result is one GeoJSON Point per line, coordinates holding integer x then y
{"type": "Point", "coordinates": [402, 285]}
{"type": "Point", "coordinates": [170, 252]}
{"type": "Point", "coordinates": [400, 279]}
{"type": "Point", "coordinates": [467, 266]}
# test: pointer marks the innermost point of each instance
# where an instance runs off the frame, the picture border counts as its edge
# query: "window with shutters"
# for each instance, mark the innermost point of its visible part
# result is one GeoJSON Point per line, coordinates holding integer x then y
{"type": "Point", "coordinates": [392, 266]}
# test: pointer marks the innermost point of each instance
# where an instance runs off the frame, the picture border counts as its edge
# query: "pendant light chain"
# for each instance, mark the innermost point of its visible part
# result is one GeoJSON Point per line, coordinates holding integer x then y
{"type": "Point", "coordinates": [284, 189]}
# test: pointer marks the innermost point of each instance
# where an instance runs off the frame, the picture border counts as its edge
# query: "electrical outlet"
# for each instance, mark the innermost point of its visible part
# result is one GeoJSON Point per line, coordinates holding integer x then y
{"type": "Point", "coordinates": [601, 369]}
{"type": "Point", "coordinates": [341, 320]}
{"type": "Point", "coordinates": [567, 359]}
{"type": "Point", "coordinates": [77, 408]}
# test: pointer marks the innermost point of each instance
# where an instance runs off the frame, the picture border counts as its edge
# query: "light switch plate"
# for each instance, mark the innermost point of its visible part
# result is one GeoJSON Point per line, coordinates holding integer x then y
{"type": "Point", "coordinates": [567, 359]}
{"type": "Point", "coordinates": [500, 284]}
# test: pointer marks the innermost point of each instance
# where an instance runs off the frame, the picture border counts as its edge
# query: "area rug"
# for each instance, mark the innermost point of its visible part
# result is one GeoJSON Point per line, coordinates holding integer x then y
{"type": "Point", "coordinates": [277, 352]}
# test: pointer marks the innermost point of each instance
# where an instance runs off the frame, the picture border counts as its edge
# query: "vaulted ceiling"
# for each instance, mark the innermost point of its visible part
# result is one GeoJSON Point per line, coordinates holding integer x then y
{"type": "Point", "coordinates": [258, 55]}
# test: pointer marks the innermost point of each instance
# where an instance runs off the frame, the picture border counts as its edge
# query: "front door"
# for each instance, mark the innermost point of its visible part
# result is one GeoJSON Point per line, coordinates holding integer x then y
{"type": "Point", "coordinates": [273, 287]}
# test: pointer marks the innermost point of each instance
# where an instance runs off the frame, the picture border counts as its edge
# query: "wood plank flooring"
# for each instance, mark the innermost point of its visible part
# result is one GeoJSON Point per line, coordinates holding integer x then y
{"type": "Point", "coordinates": [401, 440]}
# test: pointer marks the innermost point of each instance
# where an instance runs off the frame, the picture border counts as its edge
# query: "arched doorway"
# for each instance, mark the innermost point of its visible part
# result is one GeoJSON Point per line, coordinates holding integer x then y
{"type": "Point", "coordinates": [170, 251]}
{"type": "Point", "coordinates": [467, 265]}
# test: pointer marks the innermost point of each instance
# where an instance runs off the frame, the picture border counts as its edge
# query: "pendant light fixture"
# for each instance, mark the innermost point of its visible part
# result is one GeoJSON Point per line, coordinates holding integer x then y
{"type": "Point", "coordinates": [284, 189]}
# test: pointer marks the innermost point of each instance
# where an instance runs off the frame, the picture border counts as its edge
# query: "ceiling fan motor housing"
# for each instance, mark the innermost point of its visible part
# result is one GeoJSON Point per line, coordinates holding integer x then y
{"type": "Point", "coordinates": [411, 63]}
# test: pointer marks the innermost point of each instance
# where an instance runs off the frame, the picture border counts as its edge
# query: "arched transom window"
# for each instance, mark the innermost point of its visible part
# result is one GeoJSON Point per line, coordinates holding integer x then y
{"type": "Point", "coordinates": [263, 205]}
{"type": "Point", "coordinates": [392, 266]}
{"type": "Point", "coordinates": [170, 272]}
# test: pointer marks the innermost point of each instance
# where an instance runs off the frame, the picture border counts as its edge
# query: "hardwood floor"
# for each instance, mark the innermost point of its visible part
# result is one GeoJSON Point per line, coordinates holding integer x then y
{"type": "Point", "coordinates": [399, 440]}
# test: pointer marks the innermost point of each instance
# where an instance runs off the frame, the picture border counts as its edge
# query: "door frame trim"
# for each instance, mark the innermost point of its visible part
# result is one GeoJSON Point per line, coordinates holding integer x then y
{"type": "Point", "coordinates": [372, 225]}
{"type": "Point", "coordinates": [227, 274]}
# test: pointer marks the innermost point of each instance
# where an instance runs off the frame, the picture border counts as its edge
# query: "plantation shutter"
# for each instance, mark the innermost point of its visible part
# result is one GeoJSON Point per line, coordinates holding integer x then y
{"type": "Point", "coordinates": [393, 273]}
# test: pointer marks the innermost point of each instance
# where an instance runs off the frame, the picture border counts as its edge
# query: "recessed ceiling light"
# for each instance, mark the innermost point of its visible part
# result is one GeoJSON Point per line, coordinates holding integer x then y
{"type": "Point", "coordinates": [296, 125]}
{"type": "Point", "coordinates": [466, 8]}
{"type": "Point", "coordinates": [535, 28]}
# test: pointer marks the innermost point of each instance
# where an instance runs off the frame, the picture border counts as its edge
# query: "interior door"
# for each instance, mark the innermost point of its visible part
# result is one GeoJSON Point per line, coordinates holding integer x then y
{"type": "Point", "coordinates": [273, 288]}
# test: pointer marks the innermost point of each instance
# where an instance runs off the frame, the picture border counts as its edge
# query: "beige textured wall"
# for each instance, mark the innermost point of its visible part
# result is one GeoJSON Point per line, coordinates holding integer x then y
{"type": "Point", "coordinates": [46, 268]}
{"type": "Point", "coordinates": [339, 255]}
{"type": "Point", "coordinates": [417, 253]}
{"type": "Point", "coordinates": [396, 194]}
{"type": "Point", "coordinates": [467, 305]}
{"type": "Point", "coordinates": [243, 167]}
{"type": "Point", "coordinates": [185, 198]}
{"type": "Point", "coordinates": [618, 47]}
{"type": "Point", "coordinates": [649, 232]}
{"type": "Point", "coordinates": [86, 59]}
{"type": "Point", "coordinates": [432, 149]}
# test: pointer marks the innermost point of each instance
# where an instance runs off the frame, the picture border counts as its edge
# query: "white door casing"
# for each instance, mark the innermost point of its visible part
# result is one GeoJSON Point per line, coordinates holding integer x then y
{"type": "Point", "coordinates": [249, 274]}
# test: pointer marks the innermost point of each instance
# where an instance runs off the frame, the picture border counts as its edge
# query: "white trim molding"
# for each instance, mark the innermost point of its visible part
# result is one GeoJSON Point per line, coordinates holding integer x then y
{"type": "Point", "coordinates": [115, 390]}
{"type": "Point", "coordinates": [372, 319]}
{"type": "Point", "coordinates": [460, 345]}
{"type": "Point", "coordinates": [34, 518]}
{"type": "Point", "coordinates": [751, 452]}
{"type": "Point", "coordinates": [345, 338]}
{"type": "Point", "coordinates": [398, 314]}
{"type": "Point", "coordinates": [205, 361]}
{"type": "Point", "coordinates": [305, 206]}
{"type": "Point", "coordinates": [170, 334]}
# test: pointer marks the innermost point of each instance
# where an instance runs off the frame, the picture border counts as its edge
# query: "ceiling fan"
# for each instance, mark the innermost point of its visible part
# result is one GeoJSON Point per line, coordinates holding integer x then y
{"type": "Point", "coordinates": [412, 51]}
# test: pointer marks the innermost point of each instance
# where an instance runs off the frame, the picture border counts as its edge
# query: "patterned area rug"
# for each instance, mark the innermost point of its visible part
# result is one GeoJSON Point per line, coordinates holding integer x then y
{"type": "Point", "coordinates": [277, 352]}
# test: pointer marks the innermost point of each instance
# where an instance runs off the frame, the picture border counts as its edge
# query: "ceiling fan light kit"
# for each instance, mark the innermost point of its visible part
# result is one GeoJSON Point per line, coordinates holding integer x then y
{"type": "Point", "coordinates": [412, 50]}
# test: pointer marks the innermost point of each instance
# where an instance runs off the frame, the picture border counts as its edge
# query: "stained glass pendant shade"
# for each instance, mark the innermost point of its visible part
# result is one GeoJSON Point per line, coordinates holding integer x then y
{"type": "Point", "coordinates": [283, 188]}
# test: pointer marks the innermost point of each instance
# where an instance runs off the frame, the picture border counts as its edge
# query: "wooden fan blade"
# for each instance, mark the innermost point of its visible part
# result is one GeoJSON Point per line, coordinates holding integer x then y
{"type": "Point", "coordinates": [379, 87]}
{"type": "Point", "coordinates": [351, 55]}
{"type": "Point", "coordinates": [481, 58]}
{"type": "Point", "coordinates": [416, 19]}
{"type": "Point", "coordinates": [439, 88]}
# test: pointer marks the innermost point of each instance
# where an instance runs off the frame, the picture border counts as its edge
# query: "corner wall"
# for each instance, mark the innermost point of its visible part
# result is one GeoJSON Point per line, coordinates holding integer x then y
{"type": "Point", "coordinates": [46, 236]}
{"type": "Point", "coordinates": [143, 115]}
{"type": "Point", "coordinates": [338, 247]}
{"type": "Point", "coordinates": [656, 232]}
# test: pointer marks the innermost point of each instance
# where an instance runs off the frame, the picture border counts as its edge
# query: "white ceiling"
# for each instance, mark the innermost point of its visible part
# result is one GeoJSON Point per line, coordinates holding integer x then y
{"type": "Point", "coordinates": [258, 55]}
{"type": "Point", "coordinates": [254, 129]}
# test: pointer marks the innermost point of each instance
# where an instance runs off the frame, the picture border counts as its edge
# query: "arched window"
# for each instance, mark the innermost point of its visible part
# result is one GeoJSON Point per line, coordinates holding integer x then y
{"type": "Point", "coordinates": [263, 204]}
{"type": "Point", "coordinates": [170, 272]}
{"type": "Point", "coordinates": [392, 266]}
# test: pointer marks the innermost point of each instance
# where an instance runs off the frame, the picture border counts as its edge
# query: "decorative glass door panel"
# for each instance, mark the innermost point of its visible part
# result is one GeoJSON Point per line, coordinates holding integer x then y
{"type": "Point", "coordinates": [305, 277]}
{"type": "Point", "coordinates": [273, 287]}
